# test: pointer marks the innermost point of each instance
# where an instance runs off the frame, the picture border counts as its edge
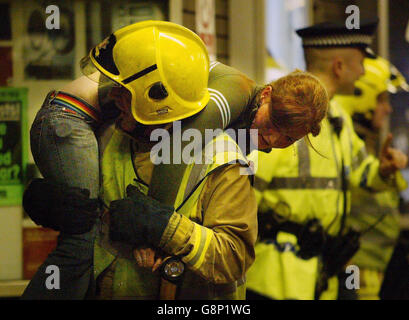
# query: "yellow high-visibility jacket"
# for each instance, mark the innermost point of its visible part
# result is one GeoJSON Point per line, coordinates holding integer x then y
{"type": "Point", "coordinates": [213, 230]}
{"type": "Point", "coordinates": [379, 214]}
{"type": "Point", "coordinates": [300, 185]}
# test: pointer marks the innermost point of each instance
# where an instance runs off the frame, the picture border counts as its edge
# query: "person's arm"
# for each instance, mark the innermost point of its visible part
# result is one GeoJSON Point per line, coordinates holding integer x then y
{"type": "Point", "coordinates": [375, 174]}
{"type": "Point", "coordinates": [218, 244]}
{"type": "Point", "coordinates": [222, 249]}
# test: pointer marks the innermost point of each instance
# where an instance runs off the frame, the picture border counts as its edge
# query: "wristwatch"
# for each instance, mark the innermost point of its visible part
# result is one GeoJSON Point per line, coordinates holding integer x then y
{"type": "Point", "coordinates": [172, 269]}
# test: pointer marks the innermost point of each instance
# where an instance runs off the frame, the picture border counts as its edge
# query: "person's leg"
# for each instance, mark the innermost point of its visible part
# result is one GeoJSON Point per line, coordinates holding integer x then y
{"type": "Point", "coordinates": [65, 149]}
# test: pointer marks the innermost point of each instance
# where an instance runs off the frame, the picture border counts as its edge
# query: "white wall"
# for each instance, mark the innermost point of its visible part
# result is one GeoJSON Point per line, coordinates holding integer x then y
{"type": "Point", "coordinates": [283, 17]}
{"type": "Point", "coordinates": [247, 43]}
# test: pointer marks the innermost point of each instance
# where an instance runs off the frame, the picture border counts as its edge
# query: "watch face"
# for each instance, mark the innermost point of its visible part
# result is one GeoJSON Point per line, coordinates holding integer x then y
{"type": "Point", "coordinates": [174, 268]}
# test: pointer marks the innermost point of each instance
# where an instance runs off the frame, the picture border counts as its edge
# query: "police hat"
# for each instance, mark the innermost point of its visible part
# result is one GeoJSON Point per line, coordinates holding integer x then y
{"type": "Point", "coordinates": [333, 34]}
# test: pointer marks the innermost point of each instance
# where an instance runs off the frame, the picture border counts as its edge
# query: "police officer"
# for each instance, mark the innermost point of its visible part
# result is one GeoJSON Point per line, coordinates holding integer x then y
{"type": "Point", "coordinates": [303, 193]}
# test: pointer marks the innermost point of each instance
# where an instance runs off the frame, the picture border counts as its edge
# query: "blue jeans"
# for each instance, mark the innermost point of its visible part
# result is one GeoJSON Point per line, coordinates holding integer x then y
{"type": "Point", "coordinates": [65, 150]}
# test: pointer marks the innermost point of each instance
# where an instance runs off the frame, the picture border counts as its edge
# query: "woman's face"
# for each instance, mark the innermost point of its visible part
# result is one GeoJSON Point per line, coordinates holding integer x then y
{"type": "Point", "coordinates": [270, 135]}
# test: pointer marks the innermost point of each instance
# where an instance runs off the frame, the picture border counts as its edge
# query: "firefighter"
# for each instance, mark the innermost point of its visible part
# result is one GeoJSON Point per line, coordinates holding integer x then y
{"type": "Point", "coordinates": [377, 215]}
{"type": "Point", "coordinates": [193, 227]}
{"type": "Point", "coordinates": [64, 134]}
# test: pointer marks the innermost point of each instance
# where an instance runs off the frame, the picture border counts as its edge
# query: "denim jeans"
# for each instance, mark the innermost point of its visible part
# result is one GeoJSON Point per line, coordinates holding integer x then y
{"type": "Point", "coordinates": [65, 150]}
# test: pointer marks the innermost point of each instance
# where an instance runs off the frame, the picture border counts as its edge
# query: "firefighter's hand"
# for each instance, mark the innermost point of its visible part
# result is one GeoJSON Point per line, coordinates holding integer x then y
{"type": "Point", "coordinates": [60, 207]}
{"type": "Point", "coordinates": [147, 258]}
{"type": "Point", "coordinates": [138, 219]}
{"type": "Point", "coordinates": [391, 159]}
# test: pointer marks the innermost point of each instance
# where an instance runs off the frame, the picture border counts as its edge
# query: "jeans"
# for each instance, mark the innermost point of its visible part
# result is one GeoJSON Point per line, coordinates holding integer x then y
{"type": "Point", "coordinates": [65, 150]}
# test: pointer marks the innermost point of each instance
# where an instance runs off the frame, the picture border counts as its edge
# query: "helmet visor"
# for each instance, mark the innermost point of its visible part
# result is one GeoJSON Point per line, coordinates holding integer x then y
{"type": "Point", "coordinates": [91, 72]}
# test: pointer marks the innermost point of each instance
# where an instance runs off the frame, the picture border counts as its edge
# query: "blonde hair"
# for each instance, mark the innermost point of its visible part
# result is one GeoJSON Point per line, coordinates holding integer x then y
{"type": "Point", "coordinates": [299, 100]}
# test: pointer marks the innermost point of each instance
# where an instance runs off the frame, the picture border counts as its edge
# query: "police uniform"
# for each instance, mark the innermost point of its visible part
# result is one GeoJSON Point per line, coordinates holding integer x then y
{"type": "Point", "coordinates": [336, 35]}
{"type": "Point", "coordinates": [307, 195]}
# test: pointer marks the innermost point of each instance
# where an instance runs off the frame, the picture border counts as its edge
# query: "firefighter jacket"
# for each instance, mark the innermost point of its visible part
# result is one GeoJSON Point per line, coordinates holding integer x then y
{"type": "Point", "coordinates": [213, 229]}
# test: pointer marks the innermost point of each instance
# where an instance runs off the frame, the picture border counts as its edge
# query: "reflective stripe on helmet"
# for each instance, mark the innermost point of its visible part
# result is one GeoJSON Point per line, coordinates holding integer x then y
{"type": "Point", "coordinates": [140, 74]}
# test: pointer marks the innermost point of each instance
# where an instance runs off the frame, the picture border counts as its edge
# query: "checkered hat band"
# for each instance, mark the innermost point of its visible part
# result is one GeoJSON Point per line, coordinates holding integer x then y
{"type": "Point", "coordinates": [338, 40]}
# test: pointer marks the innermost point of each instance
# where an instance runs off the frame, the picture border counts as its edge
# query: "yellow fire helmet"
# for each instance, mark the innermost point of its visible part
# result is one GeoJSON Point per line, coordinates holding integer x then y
{"type": "Point", "coordinates": [165, 66]}
{"type": "Point", "coordinates": [380, 75]}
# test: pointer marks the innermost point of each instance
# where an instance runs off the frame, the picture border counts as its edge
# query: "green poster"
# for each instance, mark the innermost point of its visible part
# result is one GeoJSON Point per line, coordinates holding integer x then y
{"type": "Point", "coordinates": [13, 144]}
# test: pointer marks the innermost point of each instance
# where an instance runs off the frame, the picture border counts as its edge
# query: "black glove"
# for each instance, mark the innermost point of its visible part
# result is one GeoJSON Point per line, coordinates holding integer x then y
{"type": "Point", "coordinates": [138, 219]}
{"type": "Point", "coordinates": [60, 207]}
{"type": "Point", "coordinates": [338, 251]}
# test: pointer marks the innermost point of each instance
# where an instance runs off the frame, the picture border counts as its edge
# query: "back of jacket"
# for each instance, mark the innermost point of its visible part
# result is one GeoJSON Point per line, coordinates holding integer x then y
{"type": "Point", "coordinates": [300, 184]}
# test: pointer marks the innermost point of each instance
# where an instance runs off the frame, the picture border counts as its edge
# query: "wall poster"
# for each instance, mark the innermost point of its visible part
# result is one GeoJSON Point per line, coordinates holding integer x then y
{"type": "Point", "coordinates": [48, 53]}
{"type": "Point", "coordinates": [13, 144]}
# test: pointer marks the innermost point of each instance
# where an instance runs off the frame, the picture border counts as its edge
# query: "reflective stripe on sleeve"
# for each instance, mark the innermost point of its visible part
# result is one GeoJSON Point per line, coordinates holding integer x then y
{"type": "Point", "coordinates": [203, 237]}
{"type": "Point", "coordinates": [222, 104]}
